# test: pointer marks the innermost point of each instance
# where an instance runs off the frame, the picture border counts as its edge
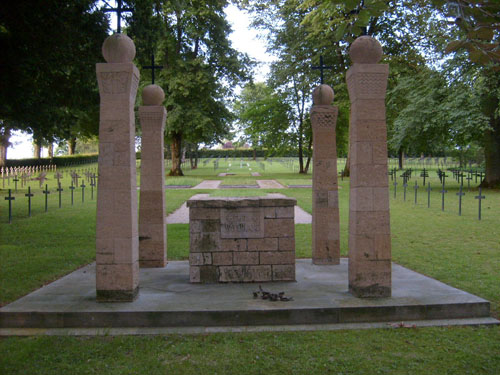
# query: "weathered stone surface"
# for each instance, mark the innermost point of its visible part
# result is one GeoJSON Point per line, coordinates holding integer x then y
{"type": "Point", "coordinates": [283, 272]}
{"type": "Point", "coordinates": [242, 223]}
{"type": "Point", "coordinates": [325, 215]}
{"type": "Point", "coordinates": [117, 234]}
{"type": "Point", "coordinates": [279, 228]}
{"type": "Point", "coordinates": [262, 244]}
{"type": "Point", "coordinates": [237, 274]}
{"type": "Point", "coordinates": [223, 246]}
{"type": "Point", "coordinates": [369, 221]}
{"type": "Point", "coordinates": [246, 257]}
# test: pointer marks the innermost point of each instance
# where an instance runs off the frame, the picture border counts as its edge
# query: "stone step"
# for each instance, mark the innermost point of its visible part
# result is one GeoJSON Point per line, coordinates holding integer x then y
{"type": "Point", "coordinates": [167, 299]}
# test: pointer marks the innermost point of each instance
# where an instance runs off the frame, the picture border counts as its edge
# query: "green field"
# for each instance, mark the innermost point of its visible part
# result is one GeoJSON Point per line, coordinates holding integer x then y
{"type": "Point", "coordinates": [458, 250]}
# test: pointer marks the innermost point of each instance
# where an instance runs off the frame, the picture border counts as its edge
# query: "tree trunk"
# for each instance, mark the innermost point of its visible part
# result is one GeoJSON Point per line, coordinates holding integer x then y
{"type": "Point", "coordinates": [72, 146]}
{"type": "Point", "coordinates": [301, 148]}
{"type": "Point", "coordinates": [37, 149]}
{"type": "Point", "coordinates": [309, 155]}
{"type": "Point", "coordinates": [401, 158]}
{"type": "Point", "coordinates": [50, 150]}
{"type": "Point", "coordinates": [254, 154]}
{"type": "Point", "coordinates": [492, 155]}
{"type": "Point", "coordinates": [4, 145]}
{"type": "Point", "coordinates": [347, 167]}
{"type": "Point", "coordinates": [176, 151]}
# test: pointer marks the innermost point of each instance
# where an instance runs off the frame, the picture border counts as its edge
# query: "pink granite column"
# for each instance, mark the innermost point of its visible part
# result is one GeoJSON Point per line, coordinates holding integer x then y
{"type": "Point", "coordinates": [117, 241]}
{"type": "Point", "coordinates": [325, 214]}
{"type": "Point", "coordinates": [369, 225]}
{"type": "Point", "coordinates": [152, 219]}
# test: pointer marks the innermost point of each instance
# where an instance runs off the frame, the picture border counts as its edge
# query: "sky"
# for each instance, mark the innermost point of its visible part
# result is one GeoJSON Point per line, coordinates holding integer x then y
{"type": "Point", "coordinates": [244, 39]}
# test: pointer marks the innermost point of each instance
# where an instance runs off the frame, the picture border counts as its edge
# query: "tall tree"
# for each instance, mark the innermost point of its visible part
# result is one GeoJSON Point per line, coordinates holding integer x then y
{"type": "Point", "coordinates": [474, 26]}
{"type": "Point", "coordinates": [190, 39]}
{"type": "Point", "coordinates": [263, 116]}
{"type": "Point", "coordinates": [47, 66]}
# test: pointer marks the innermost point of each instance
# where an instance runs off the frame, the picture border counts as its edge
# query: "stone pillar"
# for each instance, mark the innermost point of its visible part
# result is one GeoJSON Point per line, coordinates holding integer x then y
{"type": "Point", "coordinates": [369, 225]}
{"type": "Point", "coordinates": [325, 214]}
{"type": "Point", "coordinates": [152, 218]}
{"type": "Point", "coordinates": [117, 241]}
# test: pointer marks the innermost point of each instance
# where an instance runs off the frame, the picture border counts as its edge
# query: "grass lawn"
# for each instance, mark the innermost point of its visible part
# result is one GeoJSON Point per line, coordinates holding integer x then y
{"type": "Point", "coordinates": [459, 250]}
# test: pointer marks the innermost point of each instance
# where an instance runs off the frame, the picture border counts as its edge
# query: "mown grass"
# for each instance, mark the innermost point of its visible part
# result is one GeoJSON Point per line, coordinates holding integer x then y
{"type": "Point", "coordinates": [459, 250]}
{"type": "Point", "coordinates": [404, 351]}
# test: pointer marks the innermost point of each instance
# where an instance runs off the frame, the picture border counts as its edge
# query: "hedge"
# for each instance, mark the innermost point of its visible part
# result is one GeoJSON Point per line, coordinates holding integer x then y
{"type": "Point", "coordinates": [60, 161]}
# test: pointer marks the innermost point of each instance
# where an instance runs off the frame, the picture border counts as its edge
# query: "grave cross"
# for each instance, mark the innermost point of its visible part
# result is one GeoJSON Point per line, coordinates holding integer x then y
{"type": "Point", "coordinates": [416, 189]}
{"type": "Point", "coordinates": [321, 67]}
{"type": "Point", "coordinates": [59, 190]}
{"type": "Point", "coordinates": [460, 195]}
{"type": "Point", "coordinates": [29, 195]}
{"type": "Point", "coordinates": [480, 197]}
{"type": "Point", "coordinates": [16, 180]}
{"type": "Point", "coordinates": [83, 191]}
{"type": "Point", "coordinates": [46, 192]}
{"type": "Point", "coordinates": [72, 188]}
{"type": "Point", "coordinates": [92, 184]}
{"type": "Point", "coordinates": [405, 185]}
{"type": "Point", "coordinates": [10, 198]}
{"type": "Point", "coordinates": [118, 10]}
{"type": "Point", "coordinates": [153, 67]}
{"type": "Point", "coordinates": [395, 185]}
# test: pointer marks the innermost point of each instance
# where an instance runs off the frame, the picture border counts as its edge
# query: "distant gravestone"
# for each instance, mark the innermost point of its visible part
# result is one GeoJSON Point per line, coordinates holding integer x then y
{"type": "Point", "coordinates": [117, 237]}
{"type": "Point", "coordinates": [152, 213]}
{"type": "Point", "coordinates": [369, 224]}
{"type": "Point", "coordinates": [325, 210]}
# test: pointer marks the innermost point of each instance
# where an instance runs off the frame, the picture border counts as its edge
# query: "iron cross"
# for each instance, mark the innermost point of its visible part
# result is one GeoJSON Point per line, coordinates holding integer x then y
{"type": "Point", "coordinates": [118, 10]}
{"type": "Point", "coordinates": [321, 67]}
{"type": "Point", "coordinates": [153, 67]}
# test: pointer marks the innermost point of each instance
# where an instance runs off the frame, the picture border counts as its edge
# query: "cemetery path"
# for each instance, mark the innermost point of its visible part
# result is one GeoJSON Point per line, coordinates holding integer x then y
{"type": "Point", "coordinates": [269, 184]}
{"type": "Point", "coordinates": [181, 215]}
{"type": "Point", "coordinates": [208, 184]}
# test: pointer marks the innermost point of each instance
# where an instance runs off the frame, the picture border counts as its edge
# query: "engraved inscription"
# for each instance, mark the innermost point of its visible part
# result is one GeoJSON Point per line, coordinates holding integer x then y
{"type": "Point", "coordinates": [242, 223]}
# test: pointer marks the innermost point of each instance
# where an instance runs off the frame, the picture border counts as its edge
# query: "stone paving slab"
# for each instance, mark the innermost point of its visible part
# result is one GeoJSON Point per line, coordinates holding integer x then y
{"type": "Point", "coordinates": [208, 184]}
{"type": "Point", "coordinates": [269, 184]}
{"type": "Point", "coordinates": [167, 299]}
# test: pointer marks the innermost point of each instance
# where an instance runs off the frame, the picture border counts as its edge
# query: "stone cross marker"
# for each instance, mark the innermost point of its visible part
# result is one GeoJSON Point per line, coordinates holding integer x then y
{"type": "Point", "coordinates": [117, 237]}
{"type": "Point", "coordinates": [369, 225]}
{"type": "Point", "coordinates": [152, 214]}
{"type": "Point", "coordinates": [325, 215]}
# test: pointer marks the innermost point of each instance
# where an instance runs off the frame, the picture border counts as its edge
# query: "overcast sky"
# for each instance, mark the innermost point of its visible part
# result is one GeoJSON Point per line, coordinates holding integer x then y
{"type": "Point", "coordinates": [243, 38]}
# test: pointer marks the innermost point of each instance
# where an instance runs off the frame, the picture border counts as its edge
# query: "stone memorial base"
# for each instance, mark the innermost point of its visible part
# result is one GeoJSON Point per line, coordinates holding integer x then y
{"type": "Point", "coordinates": [241, 239]}
{"type": "Point", "coordinates": [169, 303]}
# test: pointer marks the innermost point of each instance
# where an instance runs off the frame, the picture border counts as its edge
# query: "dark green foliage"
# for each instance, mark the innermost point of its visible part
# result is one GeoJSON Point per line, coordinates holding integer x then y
{"type": "Point", "coordinates": [60, 161]}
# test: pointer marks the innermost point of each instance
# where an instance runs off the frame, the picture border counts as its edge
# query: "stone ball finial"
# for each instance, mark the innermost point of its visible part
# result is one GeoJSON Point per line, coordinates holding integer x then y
{"type": "Point", "coordinates": [153, 95]}
{"type": "Point", "coordinates": [118, 48]}
{"type": "Point", "coordinates": [365, 50]}
{"type": "Point", "coordinates": [323, 95]}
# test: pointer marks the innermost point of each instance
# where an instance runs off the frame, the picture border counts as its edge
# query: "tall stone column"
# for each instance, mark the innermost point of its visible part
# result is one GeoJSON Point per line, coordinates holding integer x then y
{"type": "Point", "coordinates": [117, 238]}
{"type": "Point", "coordinates": [152, 219]}
{"type": "Point", "coordinates": [369, 225]}
{"type": "Point", "coordinates": [325, 214]}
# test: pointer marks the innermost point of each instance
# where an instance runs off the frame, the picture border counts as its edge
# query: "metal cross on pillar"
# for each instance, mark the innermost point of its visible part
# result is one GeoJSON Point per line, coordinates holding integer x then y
{"type": "Point", "coordinates": [118, 10]}
{"type": "Point", "coordinates": [321, 67]}
{"type": "Point", "coordinates": [153, 67]}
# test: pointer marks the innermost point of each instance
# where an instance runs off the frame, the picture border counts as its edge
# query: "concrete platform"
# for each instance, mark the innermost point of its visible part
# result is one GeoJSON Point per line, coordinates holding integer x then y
{"type": "Point", "coordinates": [167, 302]}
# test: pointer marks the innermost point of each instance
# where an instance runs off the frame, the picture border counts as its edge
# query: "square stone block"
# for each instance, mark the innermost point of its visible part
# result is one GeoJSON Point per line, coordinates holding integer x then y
{"type": "Point", "coordinates": [279, 228]}
{"type": "Point", "coordinates": [200, 259]}
{"type": "Point", "coordinates": [369, 222]}
{"type": "Point", "coordinates": [262, 244]}
{"type": "Point", "coordinates": [117, 276]}
{"type": "Point", "coordinates": [204, 242]}
{"type": "Point", "coordinates": [283, 272]}
{"type": "Point", "coordinates": [196, 213]}
{"type": "Point", "coordinates": [245, 273]}
{"type": "Point", "coordinates": [245, 257]}
{"type": "Point", "coordinates": [233, 244]}
{"type": "Point", "coordinates": [222, 258]}
{"type": "Point", "coordinates": [286, 243]}
{"type": "Point", "coordinates": [277, 257]}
